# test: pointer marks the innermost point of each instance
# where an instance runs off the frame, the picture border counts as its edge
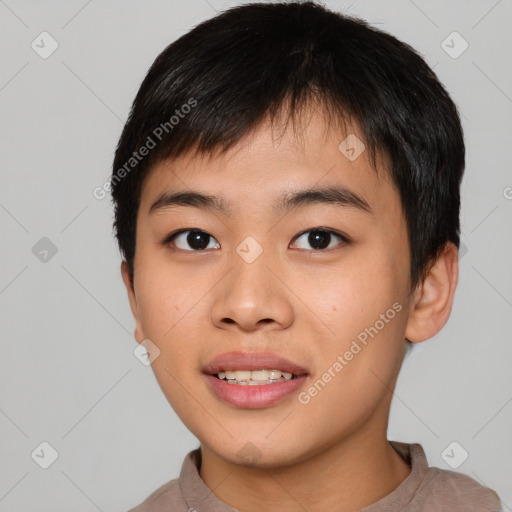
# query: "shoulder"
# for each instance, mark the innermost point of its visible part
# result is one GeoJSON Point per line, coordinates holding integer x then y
{"type": "Point", "coordinates": [448, 490]}
{"type": "Point", "coordinates": [166, 497]}
{"type": "Point", "coordinates": [431, 489]}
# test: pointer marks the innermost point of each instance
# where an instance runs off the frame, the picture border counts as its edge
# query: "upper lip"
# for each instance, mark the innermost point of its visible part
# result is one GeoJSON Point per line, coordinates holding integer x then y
{"type": "Point", "coordinates": [252, 361]}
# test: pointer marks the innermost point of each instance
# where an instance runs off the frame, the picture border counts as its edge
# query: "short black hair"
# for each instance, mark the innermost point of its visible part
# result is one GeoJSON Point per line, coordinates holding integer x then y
{"type": "Point", "coordinates": [222, 79]}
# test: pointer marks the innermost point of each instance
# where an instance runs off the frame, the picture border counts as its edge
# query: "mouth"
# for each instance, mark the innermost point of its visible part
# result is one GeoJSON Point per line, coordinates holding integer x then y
{"type": "Point", "coordinates": [253, 380]}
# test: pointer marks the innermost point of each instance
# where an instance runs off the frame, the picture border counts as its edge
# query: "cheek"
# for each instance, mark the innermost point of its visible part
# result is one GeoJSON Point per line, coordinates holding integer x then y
{"type": "Point", "coordinates": [165, 309]}
{"type": "Point", "coordinates": [163, 294]}
{"type": "Point", "coordinates": [364, 307]}
{"type": "Point", "coordinates": [355, 296]}
{"type": "Point", "coordinates": [169, 318]}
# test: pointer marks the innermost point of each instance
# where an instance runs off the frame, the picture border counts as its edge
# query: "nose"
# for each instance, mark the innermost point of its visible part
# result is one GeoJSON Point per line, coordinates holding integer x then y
{"type": "Point", "coordinates": [253, 296]}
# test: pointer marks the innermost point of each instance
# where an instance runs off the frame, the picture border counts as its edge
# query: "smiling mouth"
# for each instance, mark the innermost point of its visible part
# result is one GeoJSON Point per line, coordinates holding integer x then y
{"type": "Point", "coordinates": [254, 381]}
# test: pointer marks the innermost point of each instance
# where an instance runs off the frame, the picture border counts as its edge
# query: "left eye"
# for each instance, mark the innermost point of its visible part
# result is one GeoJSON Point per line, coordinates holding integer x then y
{"type": "Point", "coordinates": [319, 238]}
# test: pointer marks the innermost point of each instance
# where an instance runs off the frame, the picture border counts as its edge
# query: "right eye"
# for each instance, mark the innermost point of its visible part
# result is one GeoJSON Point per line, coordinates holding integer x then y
{"type": "Point", "coordinates": [195, 238]}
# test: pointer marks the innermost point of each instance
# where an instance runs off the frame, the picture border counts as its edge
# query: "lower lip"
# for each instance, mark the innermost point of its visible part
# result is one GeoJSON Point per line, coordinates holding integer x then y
{"type": "Point", "coordinates": [254, 397]}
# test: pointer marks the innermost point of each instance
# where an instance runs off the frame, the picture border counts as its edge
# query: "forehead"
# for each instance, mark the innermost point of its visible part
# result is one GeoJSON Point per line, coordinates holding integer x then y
{"type": "Point", "coordinates": [267, 165]}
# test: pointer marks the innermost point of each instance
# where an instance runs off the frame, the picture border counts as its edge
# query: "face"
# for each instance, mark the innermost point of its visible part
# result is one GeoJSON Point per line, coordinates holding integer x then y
{"type": "Point", "coordinates": [322, 282]}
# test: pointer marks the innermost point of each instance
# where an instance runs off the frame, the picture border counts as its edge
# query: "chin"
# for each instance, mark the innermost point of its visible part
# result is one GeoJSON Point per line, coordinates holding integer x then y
{"type": "Point", "coordinates": [257, 452]}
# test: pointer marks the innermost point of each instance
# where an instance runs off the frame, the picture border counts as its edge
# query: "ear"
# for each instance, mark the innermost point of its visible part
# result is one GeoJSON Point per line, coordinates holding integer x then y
{"type": "Point", "coordinates": [433, 298]}
{"type": "Point", "coordinates": [139, 334]}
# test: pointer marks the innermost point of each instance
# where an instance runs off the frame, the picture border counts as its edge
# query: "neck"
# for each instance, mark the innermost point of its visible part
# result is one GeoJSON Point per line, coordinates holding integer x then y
{"type": "Point", "coordinates": [351, 474]}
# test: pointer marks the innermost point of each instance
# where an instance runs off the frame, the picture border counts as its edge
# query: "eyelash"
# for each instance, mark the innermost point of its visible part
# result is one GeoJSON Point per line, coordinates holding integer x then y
{"type": "Point", "coordinates": [168, 239]}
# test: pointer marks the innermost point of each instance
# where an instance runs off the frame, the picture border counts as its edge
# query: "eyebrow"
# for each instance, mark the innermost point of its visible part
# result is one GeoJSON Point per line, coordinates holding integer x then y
{"type": "Point", "coordinates": [337, 195]}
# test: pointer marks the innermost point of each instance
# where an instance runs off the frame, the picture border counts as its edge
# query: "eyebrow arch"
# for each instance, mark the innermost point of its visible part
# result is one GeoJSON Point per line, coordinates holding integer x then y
{"type": "Point", "coordinates": [337, 195]}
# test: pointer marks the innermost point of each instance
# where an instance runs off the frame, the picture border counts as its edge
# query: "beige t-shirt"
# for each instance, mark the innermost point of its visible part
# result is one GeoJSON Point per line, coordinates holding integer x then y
{"type": "Point", "coordinates": [425, 489]}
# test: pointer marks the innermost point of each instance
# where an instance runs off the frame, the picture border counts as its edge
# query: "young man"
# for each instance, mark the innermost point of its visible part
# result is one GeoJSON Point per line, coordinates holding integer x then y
{"type": "Point", "coordinates": [286, 196]}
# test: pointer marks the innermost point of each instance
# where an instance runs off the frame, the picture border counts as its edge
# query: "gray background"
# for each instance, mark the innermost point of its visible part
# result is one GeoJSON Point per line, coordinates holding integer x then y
{"type": "Point", "coordinates": [68, 375]}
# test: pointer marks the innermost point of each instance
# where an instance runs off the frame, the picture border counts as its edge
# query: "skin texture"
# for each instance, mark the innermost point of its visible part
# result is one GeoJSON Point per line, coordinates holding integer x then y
{"type": "Point", "coordinates": [302, 303]}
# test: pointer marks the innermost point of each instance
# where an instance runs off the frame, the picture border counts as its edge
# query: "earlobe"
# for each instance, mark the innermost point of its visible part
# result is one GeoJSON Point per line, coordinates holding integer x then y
{"type": "Point", "coordinates": [138, 333]}
{"type": "Point", "coordinates": [433, 298]}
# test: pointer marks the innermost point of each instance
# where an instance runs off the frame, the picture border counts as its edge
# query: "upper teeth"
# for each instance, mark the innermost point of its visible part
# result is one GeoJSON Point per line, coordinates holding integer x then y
{"type": "Point", "coordinates": [259, 375]}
